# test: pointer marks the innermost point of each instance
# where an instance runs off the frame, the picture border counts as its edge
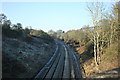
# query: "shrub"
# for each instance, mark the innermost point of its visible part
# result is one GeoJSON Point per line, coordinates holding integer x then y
{"type": "Point", "coordinates": [41, 34]}
{"type": "Point", "coordinates": [7, 31]}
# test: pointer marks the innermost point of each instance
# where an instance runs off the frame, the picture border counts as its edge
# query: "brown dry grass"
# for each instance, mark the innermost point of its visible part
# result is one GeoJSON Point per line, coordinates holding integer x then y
{"type": "Point", "coordinates": [109, 60]}
{"type": "Point", "coordinates": [81, 49]}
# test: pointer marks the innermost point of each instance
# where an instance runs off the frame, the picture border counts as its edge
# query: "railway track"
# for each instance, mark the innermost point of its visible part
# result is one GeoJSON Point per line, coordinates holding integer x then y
{"type": "Point", "coordinates": [62, 64]}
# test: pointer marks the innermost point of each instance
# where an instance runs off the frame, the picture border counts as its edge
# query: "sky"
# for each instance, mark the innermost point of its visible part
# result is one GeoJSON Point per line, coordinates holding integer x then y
{"type": "Point", "coordinates": [48, 15]}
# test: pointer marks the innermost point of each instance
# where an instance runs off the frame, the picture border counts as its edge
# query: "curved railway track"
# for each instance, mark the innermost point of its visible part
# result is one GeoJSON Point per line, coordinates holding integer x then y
{"type": "Point", "coordinates": [63, 64]}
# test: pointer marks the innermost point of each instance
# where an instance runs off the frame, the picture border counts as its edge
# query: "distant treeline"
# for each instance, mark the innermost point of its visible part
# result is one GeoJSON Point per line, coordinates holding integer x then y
{"type": "Point", "coordinates": [16, 30]}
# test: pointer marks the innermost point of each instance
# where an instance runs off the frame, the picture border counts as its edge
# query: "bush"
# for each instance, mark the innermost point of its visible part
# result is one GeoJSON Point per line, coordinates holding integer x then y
{"type": "Point", "coordinates": [90, 48]}
{"type": "Point", "coordinates": [7, 31]}
{"type": "Point", "coordinates": [41, 34]}
{"type": "Point", "coordinates": [12, 33]}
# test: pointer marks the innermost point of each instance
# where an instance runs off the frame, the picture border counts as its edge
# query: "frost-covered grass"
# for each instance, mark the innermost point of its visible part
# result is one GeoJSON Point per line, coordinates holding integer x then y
{"type": "Point", "coordinates": [25, 59]}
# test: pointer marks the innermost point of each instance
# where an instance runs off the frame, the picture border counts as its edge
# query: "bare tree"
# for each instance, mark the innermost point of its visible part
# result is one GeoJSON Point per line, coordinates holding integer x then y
{"type": "Point", "coordinates": [96, 10]}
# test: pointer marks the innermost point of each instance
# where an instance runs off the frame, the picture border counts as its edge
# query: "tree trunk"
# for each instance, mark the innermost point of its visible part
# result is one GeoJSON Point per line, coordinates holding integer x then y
{"type": "Point", "coordinates": [101, 46]}
{"type": "Point", "coordinates": [98, 54]}
{"type": "Point", "coordinates": [111, 33]}
{"type": "Point", "coordinates": [95, 53]}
